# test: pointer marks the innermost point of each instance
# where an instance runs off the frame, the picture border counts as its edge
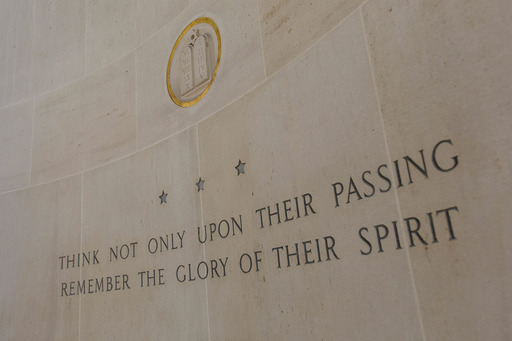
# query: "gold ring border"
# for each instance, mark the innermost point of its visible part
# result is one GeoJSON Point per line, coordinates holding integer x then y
{"type": "Point", "coordinates": [204, 20]}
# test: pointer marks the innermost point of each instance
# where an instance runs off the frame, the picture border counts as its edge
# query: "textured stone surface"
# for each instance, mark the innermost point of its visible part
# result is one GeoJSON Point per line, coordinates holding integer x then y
{"type": "Point", "coordinates": [43, 44]}
{"type": "Point", "coordinates": [290, 27]}
{"type": "Point", "coordinates": [17, 25]}
{"type": "Point", "coordinates": [114, 28]}
{"type": "Point", "coordinates": [15, 145]}
{"type": "Point", "coordinates": [37, 226]}
{"type": "Point", "coordinates": [85, 124]}
{"type": "Point", "coordinates": [59, 43]}
{"type": "Point", "coordinates": [445, 76]}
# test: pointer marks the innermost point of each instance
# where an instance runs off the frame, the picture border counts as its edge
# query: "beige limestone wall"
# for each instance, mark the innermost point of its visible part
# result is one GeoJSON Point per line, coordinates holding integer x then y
{"type": "Point", "coordinates": [374, 199]}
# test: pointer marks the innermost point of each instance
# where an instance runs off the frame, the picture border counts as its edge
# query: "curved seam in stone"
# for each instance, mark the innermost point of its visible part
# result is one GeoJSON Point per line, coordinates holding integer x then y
{"type": "Point", "coordinates": [265, 79]}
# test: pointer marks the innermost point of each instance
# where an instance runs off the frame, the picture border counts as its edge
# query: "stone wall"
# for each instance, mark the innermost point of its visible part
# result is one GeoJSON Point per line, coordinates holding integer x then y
{"type": "Point", "coordinates": [373, 203]}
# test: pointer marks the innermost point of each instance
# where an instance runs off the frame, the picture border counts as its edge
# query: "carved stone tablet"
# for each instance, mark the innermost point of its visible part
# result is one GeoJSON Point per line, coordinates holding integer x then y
{"type": "Point", "coordinates": [194, 62]}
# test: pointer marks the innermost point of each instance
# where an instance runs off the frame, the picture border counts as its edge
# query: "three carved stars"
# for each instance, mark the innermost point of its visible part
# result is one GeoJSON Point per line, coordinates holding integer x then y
{"type": "Point", "coordinates": [240, 169]}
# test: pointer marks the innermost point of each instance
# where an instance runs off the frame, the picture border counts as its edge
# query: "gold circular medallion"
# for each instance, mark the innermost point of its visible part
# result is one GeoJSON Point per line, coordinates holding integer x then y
{"type": "Point", "coordinates": [194, 62]}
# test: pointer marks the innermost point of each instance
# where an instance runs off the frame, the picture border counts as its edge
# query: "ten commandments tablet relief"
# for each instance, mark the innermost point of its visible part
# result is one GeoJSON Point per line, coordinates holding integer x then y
{"type": "Point", "coordinates": [194, 62]}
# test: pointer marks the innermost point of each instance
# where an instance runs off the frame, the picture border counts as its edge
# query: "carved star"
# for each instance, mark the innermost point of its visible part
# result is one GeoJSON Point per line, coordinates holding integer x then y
{"type": "Point", "coordinates": [240, 168]}
{"type": "Point", "coordinates": [200, 185]}
{"type": "Point", "coordinates": [163, 198]}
